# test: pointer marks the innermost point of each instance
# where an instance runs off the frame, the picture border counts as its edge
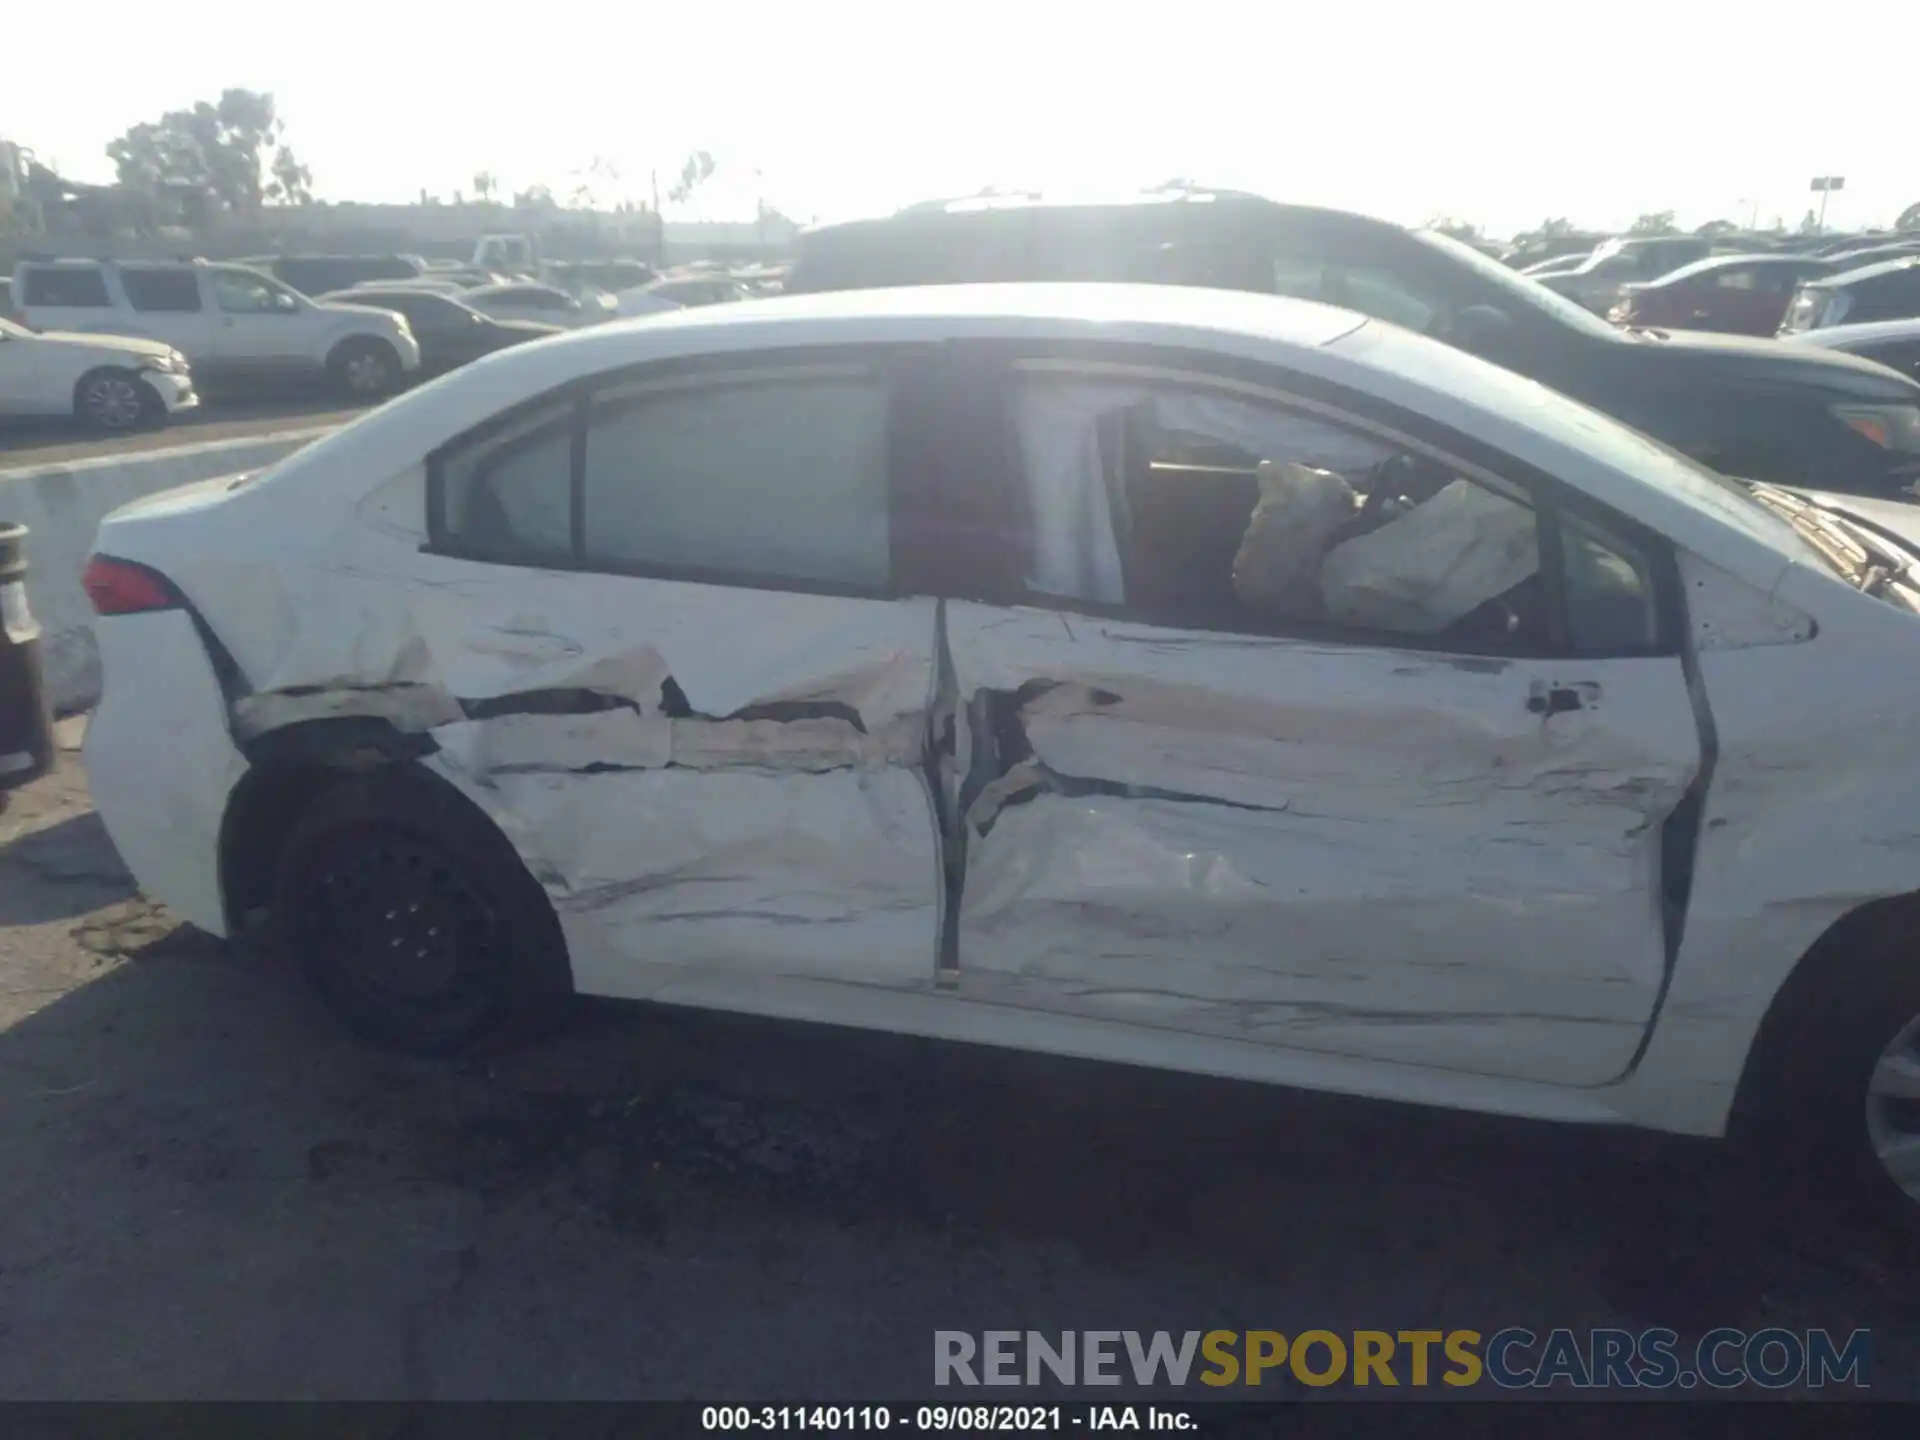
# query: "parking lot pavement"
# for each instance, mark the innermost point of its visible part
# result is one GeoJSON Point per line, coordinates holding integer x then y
{"type": "Point", "coordinates": [37, 442]}
{"type": "Point", "coordinates": [206, 1192]}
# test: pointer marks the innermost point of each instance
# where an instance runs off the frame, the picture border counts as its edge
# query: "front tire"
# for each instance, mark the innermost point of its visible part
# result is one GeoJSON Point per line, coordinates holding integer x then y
{"type": "Point", "coordinates": [415, 922]}
{"type": "Point", "coordinates": [1836, 1083]}
{"type": "Point", "coordinates": [116, 402]}
{"type": "Point", "coordinates": [364, 369]}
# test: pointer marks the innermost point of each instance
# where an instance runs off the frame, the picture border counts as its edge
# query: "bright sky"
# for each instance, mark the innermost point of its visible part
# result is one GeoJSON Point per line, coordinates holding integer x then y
{"type": "Point", "coordinates": [1494, 112]}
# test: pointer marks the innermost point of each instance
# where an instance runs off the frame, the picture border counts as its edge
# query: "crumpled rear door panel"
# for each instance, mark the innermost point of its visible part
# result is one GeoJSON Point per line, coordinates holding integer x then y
{"type": "Point", "coordinates": [698, 775]}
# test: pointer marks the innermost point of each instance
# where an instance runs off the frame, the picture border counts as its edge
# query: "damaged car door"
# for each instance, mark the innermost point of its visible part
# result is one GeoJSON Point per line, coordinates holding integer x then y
{"type": "Point", "coordinates": [1305, 734]}
{"type": "Point", "coordinates": [688, 689]}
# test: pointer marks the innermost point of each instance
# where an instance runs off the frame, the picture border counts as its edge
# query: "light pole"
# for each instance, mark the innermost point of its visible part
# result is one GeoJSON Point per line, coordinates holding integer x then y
{"type": "Point", "coordinates": [1826, 185]}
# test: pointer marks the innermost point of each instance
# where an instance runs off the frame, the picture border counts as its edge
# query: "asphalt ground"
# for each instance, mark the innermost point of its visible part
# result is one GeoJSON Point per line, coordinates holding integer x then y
{"type": "Point", "coordinates": [206, 1192]}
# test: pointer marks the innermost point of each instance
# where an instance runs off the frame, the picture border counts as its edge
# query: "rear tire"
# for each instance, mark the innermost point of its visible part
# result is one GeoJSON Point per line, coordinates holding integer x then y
{"type": "Point", "coordinates": [116, 402]}
{"type": "Point", "coordinates": [1835, 1089]}
{"type": "Point", "coordinates": [364, 368]}
{"type": "Point", "coordinates": [415, 922]}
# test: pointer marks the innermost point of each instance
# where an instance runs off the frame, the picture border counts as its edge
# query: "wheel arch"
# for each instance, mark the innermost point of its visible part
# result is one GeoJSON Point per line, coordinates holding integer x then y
{"type": "Point", "coordinates": [104, 367]}
{"type": "Point", "coordinates": [1849, 946]}
{"type": "Point", "coordinates": [287, 770]}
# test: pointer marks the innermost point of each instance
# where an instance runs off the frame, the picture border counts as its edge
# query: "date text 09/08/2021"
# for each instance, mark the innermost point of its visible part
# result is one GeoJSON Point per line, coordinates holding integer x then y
{"type": "Point", "coordinates": [936, 1418]}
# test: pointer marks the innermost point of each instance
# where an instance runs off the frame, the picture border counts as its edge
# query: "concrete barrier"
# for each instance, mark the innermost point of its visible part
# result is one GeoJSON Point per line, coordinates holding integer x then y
{"type": "Point", "coordinates": [62, 506]}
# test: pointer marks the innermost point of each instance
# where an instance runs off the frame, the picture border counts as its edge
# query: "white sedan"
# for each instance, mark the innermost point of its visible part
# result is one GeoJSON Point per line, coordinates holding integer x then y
{"type": "Point", "coordinates": [110, 382]}
{"type": "Point", "coordinates": [1173, 677]}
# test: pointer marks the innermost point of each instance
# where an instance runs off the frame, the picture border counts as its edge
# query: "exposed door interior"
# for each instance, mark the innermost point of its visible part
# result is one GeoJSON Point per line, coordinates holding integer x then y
{"type": "Point", "coordinates": [1308, 736]}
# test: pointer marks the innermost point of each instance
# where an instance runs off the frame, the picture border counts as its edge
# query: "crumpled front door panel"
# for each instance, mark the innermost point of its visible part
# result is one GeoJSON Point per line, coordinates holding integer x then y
{"type": "Point", "coordinates": [1375, 853]}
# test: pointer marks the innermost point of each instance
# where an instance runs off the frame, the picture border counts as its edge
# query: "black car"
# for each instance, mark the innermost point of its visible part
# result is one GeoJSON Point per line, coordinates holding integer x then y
{"type": "Point", "coordinates": [315, 275]}
{"type": "Point", "coordinates": [1889, 290]}
{"type": "Point", "coordinates": [1751, 407]}
{"type": "Point", "coordinates": [450, 334]}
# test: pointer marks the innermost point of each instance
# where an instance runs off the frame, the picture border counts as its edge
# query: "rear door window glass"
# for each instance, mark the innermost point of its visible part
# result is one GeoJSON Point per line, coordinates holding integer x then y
{"type": "Point", "coordinates": [63, 288]}
{"type": "Point", "coordinates": [511, 493]}
{"type": "Point", "coordinates": [783, 478]}
{"type": "Point", "coordinates": [170, 291]}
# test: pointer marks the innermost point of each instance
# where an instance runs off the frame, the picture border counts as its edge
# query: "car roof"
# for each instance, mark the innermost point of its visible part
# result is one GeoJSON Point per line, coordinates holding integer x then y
{"type": "Point", "coordinates": [357, 293]}
{"type": "Point", "coordinates": [939, 212]}
{"type": "Point", "coordinates": [508, 287]}
{"type": "Point", "coordinates": [1863, 336]}
{"type": "Point", "coordinates": [1722, 262]}
{"type": "Point", "coordinates": [1493, 406]}
{"type": "Point", "coordinates": [1860, 275]}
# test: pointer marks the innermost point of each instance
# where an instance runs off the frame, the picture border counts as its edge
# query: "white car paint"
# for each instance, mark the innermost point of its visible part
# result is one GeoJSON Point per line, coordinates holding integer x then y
{"type": "Point", "coordinates": [1468, 896]}
{"type": "Point", "coordinates": [245, 322]}
{"type": "Point", "coordinates": [38, 372]}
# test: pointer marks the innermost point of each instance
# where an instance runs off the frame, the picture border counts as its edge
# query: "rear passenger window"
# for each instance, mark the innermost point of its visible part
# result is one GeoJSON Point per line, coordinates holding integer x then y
{"type": "Point", "coordinates": [781, 478]}
{"type": "Point", "coordinates": [74, 288]}
{"type": "Point", "coordinates": [778, 479]}
{"type": "Point", "coordinates": [510, 494]}
{"type": "Point", "coordinates": [161, 290]}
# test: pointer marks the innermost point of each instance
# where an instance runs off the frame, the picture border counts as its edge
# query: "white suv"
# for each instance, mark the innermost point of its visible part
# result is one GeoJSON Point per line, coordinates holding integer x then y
{"type": "Point", "coordinates": [229, 321]}
{"type": "Point", "coordinates": [109, 381]}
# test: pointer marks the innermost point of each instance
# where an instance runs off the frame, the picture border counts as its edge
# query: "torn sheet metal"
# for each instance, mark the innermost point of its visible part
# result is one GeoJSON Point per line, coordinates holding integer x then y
{"type": "Point", "coordinates": [1381, 854]}
{"type": "Point", "coordinates": [484, 632]}
{"type": "Point", "coordinates": [698, 775]}
{"type": "Point", "coordinates": [624, 739]}
{"type": "Point", "coordinates": [1433, 566]}
{"type": "Point", "coordinates": [834, 876]}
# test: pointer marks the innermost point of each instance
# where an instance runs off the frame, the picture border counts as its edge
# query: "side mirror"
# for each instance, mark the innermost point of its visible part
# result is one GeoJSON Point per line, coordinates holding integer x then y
{"type": "Point", "coordinates": [1482, 329]}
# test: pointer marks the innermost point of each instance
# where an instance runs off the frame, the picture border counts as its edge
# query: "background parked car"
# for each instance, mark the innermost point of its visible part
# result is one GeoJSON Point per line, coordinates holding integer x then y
{"type": "Point", "coordinates": [1596, 283]}
{"type": "Point", "coordinates": [1893, 343]}
{"type": "Point", "coordinates": [545, 304]}
{"type": "Point", "coordinates": [1748, 407]}
{"type": "Point", "coordinates": [1887, 291]}
{"type": "Point", "coordinates": [450, 333]}
{"type": "Point", "coordinates": [1553, 247]}
{"type": "Point", "coordinates": [232, 323]}
{"type": "Point", "coordinates": [1871, 255]}
{"type": "Point", "coordinates": [700, 289]}
{"type": "Point", "coordinates": [1738, 294]}
{"type": "Point", "coordinates": [433, 283]}
{"type": "Point", "coordinates": [317, 274]}
{"type": "Point", "coordinates": [676, 292]}
{"type": "Point", "coordinates": [612, 276]}
{"type": "Point", "coordinates": [107, 381]}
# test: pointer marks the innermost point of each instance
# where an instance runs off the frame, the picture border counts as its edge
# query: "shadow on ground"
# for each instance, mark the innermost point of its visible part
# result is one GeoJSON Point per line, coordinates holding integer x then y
{"type": "Point", "coordinates": [75, 855]}
{"type": "Point", "coordinates": [206, 1192]}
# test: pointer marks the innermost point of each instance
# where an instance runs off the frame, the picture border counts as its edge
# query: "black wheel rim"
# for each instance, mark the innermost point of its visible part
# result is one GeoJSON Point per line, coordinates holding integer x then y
{"type": "Point", "coordinates": [393, 925]}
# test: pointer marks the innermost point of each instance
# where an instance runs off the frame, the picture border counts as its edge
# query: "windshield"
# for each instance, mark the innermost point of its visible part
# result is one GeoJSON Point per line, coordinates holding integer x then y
{"type": "Point", "coordinates": [1731, 501]}
{"type": "Point", "coordinates": [1852, 548]}
{"type": "Point", "coordinates": [1519, 288]}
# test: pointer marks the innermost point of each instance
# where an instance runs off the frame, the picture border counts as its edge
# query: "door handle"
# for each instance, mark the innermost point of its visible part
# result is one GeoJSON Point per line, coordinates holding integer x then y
{"type": "Point", "coordinates": [1557, 698]}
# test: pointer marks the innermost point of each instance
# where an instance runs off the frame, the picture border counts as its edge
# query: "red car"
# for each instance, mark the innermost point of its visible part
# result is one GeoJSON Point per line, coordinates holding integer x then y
{"type": "Point", "coordinates": [1739, 294]}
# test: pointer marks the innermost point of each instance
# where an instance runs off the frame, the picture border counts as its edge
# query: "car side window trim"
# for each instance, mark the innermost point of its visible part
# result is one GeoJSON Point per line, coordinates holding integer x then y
{"type": "Point", "coordinates": [1550, 499]}
{"type": "Point", "coordinates": [633, 383]}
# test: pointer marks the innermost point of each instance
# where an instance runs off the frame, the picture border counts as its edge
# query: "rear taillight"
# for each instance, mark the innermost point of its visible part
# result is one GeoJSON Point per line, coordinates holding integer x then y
{"type": "Point", "coordinates": [120, 587]}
